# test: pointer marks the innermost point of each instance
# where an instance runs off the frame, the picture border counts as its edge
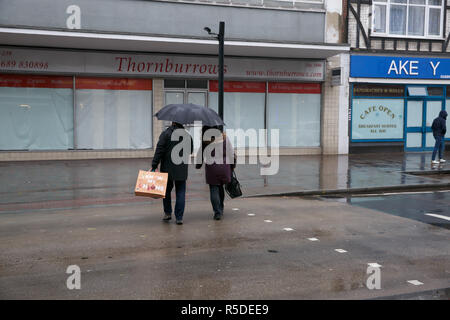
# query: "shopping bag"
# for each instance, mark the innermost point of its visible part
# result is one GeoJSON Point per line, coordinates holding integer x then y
{"type": "Point", "coordinates": [233, 188]}
{"type": "Point", "coordinates": [151, 184]}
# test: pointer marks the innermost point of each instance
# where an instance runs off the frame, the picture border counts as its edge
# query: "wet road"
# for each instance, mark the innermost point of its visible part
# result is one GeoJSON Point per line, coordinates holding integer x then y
{"type": "Point", "coordinates": [428, 207]}
{"type": "Point", "coordinates": [270, 248]}
{"type": "Point", "coordinates": [40, 184]}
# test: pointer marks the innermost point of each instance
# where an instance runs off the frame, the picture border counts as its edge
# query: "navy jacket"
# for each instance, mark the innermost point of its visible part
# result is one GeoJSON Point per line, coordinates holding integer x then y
{"type": "Point", "coordinates": [177, 172]}
{"type": "Point", "coordinates": [439, 127]}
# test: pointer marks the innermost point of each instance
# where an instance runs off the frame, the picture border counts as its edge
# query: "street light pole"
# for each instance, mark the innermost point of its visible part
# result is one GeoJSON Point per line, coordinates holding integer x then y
{"type": "Point", "coordinates": [221, 45]}
{"type": "Point", "coordinates": [220, 37]}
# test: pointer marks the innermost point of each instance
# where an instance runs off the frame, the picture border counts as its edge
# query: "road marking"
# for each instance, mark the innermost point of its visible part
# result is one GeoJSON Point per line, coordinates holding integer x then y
{"type": "Point", "coordinates": [340, 250]}
{"type": "Point", "coordinates": [415, 282]}
{"type": "Point", "coordinates": [438, 216]}
{"type": "Point", "coordinates": [288, 229]}
{"type": "Point", "coordinates": [251, 214]}
{"type": "Point", "coordinates": [267, 220]}
{"type": "Point", "coordinates": [313, 239]}
{"type": "Point", "coordinates": [235, 209]}
{"type": "Point", "coordinates": [91, 229]}
{"type": "Point", "coordinates": [375, 265]}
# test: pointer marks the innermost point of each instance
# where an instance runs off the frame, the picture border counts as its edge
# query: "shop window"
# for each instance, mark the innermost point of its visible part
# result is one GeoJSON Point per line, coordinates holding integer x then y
{"type": "Point", "coordinates": [435, 91]}
{"type": "Point", "coordinates": [170, 84]}
{"type": "Point", "coordinates": [181, 84]}
{"type": "Point", "coordinates": [417, 91]}
{"type": "Point", "coordinates": [113, 113]}
{"type": "Point", "coordinates": [447, 102]}
{"type": "Point", "coordinates": [243, 106]}
{"type": "Point", "coordinates": [197, 84]}
{"type": "Point", "coordinates": [294, 109]}
{"type": "Point", "coordinates": [377, 119]}
{"type": "Point", "coordinates": [378, 112]}
{"type": "Point", "coordinates": [408, 18]}
{"type": "Point", "coordinates": [36, 112]}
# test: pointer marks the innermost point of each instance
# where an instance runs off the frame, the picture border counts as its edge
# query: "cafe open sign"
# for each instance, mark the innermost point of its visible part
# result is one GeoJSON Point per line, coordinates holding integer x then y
{"type": "Point", "coordinates": [377, 119]}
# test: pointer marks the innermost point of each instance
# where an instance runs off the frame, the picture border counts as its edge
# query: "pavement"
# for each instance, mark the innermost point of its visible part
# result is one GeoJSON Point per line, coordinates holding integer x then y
{"type": "Point", "coordinates": [71, 184]}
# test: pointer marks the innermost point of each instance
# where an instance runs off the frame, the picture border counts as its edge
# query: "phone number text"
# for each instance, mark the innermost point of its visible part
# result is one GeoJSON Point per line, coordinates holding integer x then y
{"type": "Point", "coordinates": [36, 65]}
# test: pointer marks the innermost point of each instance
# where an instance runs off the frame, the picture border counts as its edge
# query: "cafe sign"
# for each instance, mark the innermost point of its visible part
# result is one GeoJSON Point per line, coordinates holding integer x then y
{"type": "Point", "coordinates": [377, 119]}
{"type": "Point", "coordinates": [388, 67]}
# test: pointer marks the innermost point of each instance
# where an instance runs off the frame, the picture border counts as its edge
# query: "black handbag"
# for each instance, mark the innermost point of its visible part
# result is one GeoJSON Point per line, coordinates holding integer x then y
{"type": "Point", "coordinates": [233, 188]}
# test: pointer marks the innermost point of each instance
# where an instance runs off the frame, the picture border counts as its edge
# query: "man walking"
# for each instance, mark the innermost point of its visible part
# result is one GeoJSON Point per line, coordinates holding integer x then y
{"type": "Point", "coordinates": [439, 129]}
{"type": "Point", "coordinates": [177, 173]}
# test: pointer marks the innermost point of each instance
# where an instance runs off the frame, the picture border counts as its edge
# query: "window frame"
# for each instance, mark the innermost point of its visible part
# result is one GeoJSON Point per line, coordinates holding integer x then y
{"type": "Point", "coordinates": [427, 6]}
{"type": "Point", "coordinates": [301, 1]}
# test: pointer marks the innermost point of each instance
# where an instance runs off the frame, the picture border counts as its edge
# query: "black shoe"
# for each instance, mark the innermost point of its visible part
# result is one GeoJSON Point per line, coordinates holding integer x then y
{"type": "Point", "coordinates": [167, 217]}
{"type": "Point", "coordinates": [217, 216]}
{"type": "Point", "coordinates": [179, 222]}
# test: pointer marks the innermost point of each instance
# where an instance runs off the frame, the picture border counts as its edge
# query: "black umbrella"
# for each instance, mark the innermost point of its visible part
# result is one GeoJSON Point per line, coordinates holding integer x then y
{"type": "Point", "coordinates": [188, 113]}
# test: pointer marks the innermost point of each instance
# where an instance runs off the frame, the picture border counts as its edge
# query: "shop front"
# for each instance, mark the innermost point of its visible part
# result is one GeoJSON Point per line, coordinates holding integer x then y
{"type": "Point", "coordinates": [394, 101]}
{"type": "Point", "coordinates": [54, 113]}
{"type": "Point", "coordinates": [68, 104]}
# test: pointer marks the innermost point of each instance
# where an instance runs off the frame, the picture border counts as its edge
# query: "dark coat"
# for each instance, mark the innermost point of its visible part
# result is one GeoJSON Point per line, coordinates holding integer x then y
{"type": "Point", "coordinates": [218, 174]}
{"type": "Point", "coordinates": [177, 172]}
{"type": "Point", "coordinates": [439, 127]}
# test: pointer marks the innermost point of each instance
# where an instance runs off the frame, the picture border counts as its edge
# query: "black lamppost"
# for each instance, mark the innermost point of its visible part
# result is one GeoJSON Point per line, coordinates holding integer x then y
{"type": "Point", "coordinates": [220, 37]}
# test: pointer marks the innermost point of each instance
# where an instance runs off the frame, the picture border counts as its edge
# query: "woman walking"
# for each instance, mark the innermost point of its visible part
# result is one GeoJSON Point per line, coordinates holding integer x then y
{"type": "Point", "coordinates": [218, 165]}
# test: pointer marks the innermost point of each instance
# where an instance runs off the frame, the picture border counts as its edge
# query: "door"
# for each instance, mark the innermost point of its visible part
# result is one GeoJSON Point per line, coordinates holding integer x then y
{"type": "Point", "coordinates": [188, 96]}
{"type": "Point", "coordinates": [172, 97]}
{"type": "Point", "coordinates": [433, 109]}
{"type": "Point", "coordinates": [195, 131]}
{"type": "Point", "coordinates": [420, 114]}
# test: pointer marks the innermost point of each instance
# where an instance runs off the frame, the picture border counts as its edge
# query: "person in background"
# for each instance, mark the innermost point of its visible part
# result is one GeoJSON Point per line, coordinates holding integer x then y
{"type": "Point", "coordinates": [177, 173]}
{"type": "Point", "coordinates": [217, 174]}
{"type": "Point", "coordinates": [439, 129]}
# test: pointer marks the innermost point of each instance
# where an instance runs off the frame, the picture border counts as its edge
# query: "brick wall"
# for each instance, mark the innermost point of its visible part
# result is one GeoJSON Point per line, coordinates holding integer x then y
{"type": "Point", "coordinates": [335, 109]}
{"type": "Point", "coordinates": [158, 103]}
{"type": "Point", "coordinates": [352, 25]}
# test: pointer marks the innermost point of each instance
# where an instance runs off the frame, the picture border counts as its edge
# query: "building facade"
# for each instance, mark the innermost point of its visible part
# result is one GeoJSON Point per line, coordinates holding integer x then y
{"type": "Point", "coordinates": [82, 79]}
{"type": "Point", "coordinates": [399, 72]}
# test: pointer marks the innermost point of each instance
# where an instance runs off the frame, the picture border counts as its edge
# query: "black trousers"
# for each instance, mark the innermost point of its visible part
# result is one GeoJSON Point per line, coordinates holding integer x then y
{"type": "Point", "coordinates": [180, 191]}
{"type": "Point", "coordinates": [217, 196]}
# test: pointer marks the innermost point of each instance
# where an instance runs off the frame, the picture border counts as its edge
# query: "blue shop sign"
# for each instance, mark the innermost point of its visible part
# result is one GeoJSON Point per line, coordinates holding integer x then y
{"type": "Point", "coordinates": [399, 67]}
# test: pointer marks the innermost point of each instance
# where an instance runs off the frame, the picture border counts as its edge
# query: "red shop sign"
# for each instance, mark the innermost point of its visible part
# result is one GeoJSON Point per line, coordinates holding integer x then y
{"type": "Point", "coordinates": [293, 87]}
{"type": "Point", "coordinates": [31, 81]}
{"type": "Point", "coordinates": [238, 86]}
{"type": "Point", "coordinates": [113, 83]}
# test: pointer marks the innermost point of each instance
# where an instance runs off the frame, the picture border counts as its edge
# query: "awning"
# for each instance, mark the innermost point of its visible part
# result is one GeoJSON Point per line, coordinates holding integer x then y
{"type": "Point", "coordinates": [140, 43]}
